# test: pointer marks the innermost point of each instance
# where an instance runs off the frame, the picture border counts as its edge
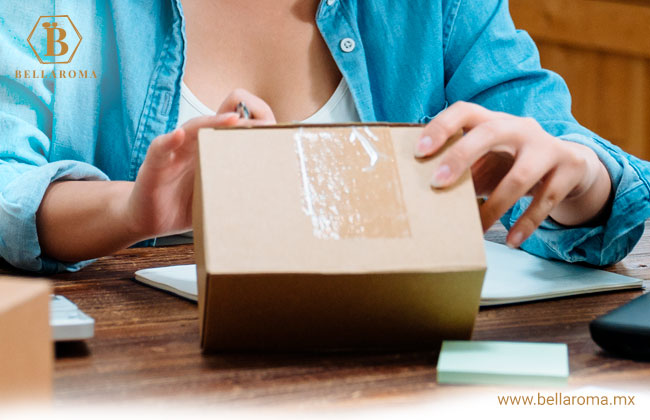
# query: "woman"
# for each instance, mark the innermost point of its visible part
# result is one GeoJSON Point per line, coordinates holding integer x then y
{"type": "Point", "coordinates": [82, 179]}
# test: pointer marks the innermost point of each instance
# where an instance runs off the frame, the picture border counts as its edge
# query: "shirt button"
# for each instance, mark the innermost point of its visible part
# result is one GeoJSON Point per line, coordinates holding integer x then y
{"type": "Point", "coordinates": [330, 2]}
{"type": "Point", "coordinates": [347, 45]}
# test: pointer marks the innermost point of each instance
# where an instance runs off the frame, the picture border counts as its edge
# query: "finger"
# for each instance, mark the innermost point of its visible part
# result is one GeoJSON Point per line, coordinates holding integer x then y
{"type": "Point", "coordinates": [258, 108]}
{"type": "Point", "coordinates": [555, 189]}
{"type": "Point", "coordinates": [168, 142]}
{"type": "Point", "coordinates": [210, 121]}
{"type": "Point", "coordinates": [458, 116]}
{"type": "Point", "coordinates": [191, 128]}
{"type": "Point", "coordinates": [524, 175]}
{"type": "Point", "coordinates": [162, 146]}
{"type": "Point", "coordinates": [504, 136]}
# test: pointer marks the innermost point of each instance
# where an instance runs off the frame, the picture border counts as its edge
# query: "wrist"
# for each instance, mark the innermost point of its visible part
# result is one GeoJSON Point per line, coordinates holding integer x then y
{"type": "Point", "coordinates": [121, 214]}
{"type": "Point", "coordinates": [591, 198]}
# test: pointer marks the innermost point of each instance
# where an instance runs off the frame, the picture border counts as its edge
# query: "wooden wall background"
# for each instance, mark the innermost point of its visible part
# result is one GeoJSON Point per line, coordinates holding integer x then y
{"type": "Point", "coordinates": [602, 49]}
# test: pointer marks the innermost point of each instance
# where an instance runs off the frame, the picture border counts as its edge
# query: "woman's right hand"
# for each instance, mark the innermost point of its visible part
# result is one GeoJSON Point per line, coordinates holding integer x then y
{"type": "Point", "coordinates": [161, 200]}
{"type": "Point", "coordinates": [81, 220]}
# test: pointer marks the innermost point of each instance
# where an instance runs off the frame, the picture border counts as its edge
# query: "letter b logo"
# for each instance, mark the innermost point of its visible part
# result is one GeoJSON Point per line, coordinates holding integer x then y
{"type": "Point", "coordinates": [54, 39]}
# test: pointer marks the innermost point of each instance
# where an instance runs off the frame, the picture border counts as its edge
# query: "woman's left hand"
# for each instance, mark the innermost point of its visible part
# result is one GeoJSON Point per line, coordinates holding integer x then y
{"type": "Point", "coordinates": [511, 157]}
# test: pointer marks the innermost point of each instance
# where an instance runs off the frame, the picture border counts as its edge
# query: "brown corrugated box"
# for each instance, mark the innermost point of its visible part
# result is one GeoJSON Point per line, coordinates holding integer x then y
{"type": "Point", "coordinates": [26, 349]}
{"type": "Point", "coordinates": [331, 237]}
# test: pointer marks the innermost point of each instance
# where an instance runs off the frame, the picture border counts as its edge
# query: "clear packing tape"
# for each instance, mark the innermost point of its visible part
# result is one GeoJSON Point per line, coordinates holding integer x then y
{"type": "Point", "coordinates": [351, 185]}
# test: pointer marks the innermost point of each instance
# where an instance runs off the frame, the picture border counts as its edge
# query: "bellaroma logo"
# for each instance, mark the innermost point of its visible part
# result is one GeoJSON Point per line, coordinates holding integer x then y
{"type": "Point", "coordinates": [54, 40]}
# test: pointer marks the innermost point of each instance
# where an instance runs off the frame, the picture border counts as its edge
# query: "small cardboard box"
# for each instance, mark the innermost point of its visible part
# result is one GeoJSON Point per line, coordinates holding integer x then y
{"type": "Point", "coordinates": [331, 237]}
{"type": "Point", "coordinates": [26, 349]}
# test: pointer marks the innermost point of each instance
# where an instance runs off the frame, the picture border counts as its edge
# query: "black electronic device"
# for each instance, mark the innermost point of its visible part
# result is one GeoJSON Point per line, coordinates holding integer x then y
{"type": "Point", "coordinates": [625, 331]}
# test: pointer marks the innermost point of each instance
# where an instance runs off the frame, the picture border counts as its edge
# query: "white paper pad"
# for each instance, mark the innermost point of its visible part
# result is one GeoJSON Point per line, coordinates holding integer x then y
{"type": "Point", "coordinates": [513, 276]}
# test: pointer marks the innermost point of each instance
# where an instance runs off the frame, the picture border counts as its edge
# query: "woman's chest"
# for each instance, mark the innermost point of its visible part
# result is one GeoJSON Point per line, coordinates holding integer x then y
{"type": "Point", "coordinates": [276, 54]}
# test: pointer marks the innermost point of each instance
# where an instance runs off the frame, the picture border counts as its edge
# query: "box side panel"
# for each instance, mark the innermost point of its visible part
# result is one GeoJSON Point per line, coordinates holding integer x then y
{"type": "Point", "coordinates": [338, 312]}
{"type": "Point", "coordinates": [26, 349]}
{"type": "Point", "coordinates": [200, 246]}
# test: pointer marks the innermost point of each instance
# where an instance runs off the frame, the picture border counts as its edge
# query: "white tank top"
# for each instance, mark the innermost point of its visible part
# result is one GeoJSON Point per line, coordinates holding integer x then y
{"type": "Point", "coordinates": [338, 108]}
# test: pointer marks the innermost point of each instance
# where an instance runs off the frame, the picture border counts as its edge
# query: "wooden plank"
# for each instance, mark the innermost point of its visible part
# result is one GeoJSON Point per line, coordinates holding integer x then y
{"type": "Point", "coordinates": [643, 112]}
{"type": "Point", "coordinates": [613, 88]}
{"type": "Point", "coordinates": [620, 27]}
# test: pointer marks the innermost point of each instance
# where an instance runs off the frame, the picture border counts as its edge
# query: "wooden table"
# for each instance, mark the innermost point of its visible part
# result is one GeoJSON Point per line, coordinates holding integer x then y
{"type": "Point", "coordinates": [146, 345]}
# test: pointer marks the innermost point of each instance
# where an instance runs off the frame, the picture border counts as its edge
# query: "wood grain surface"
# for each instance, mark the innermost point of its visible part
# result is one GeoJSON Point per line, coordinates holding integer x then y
{"type": "Point", "coordinates": [146, 345]}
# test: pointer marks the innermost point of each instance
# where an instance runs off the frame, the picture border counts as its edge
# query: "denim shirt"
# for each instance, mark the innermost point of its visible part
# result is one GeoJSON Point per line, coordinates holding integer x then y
{"type": "Point", "coordinates": [407, 61]}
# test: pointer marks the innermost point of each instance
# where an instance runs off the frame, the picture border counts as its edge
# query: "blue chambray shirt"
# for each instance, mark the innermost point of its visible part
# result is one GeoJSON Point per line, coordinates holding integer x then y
{"type": "Point", "coordinates": [410, 59]}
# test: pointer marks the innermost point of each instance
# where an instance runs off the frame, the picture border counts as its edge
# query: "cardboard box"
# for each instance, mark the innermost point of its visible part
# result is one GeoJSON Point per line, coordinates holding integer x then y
{"type": "Point", "coordinates": [26, 349]}
{"type": "Point", "coordinates": [331, 237]}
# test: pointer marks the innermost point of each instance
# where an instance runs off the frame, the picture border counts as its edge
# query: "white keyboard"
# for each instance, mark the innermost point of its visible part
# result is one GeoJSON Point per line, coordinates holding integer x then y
{"type": "Point", "coordinates": [68, 322]}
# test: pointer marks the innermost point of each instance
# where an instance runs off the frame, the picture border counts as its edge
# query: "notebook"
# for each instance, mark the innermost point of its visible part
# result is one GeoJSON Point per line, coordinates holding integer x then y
{"type": "Point", "coordinates": [513, 276]}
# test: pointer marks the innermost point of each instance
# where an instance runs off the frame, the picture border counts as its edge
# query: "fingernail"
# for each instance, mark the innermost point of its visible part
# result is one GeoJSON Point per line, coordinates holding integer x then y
{"type": "Point", "coordinates": [424, 146]}
{"type": "Point", "coordinates": [515, 240]}
{"type": "Point", "coordinates": [441, 176]}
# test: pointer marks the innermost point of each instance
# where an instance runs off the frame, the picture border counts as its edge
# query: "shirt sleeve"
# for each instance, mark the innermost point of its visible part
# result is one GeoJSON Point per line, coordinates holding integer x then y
{"type": "Point", "coordinates": [489, 62]}
{"type": "Point", "coordinates": [26, 122]}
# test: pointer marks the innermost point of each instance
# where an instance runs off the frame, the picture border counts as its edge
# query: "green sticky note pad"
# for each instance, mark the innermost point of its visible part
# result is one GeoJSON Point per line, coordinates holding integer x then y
{"type": "Point", "coordinates": [499, 362]}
